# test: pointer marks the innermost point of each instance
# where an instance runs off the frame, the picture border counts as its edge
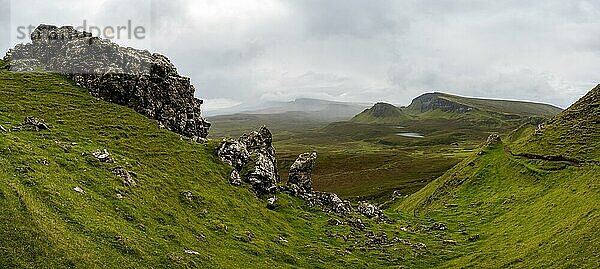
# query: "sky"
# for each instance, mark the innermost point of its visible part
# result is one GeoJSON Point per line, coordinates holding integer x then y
{"type": "Point", "coordinates": [253, 51]}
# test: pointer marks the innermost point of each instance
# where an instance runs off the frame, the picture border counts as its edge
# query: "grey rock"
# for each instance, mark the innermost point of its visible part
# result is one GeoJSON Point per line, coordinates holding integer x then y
{"type": "Point", "coordinates": [439, 226]}
{"type": "Point", "coordinates": [419, 246]}
{"type": "Point", "coordinates": [254, 154]}
{"type": "Point", "coordinates": [79, 190]}
{"type": "Point", "coordinates": [35, 123]}
{"type": "Point", "coordinates": [235, 179]}
{"type": "Point", "coordinates": [369, 210]}
{"type": "Point", "coordinates": [102, 156]}
{"type": "Point", "coordinates": [300, 175]}
{"type": "Point", "coordinates": [146, 82]}
{"type": "Point", "coordinates": [492, 140]}
{"type": "Point", "coordinates": [125, 176]}
{"type": "Point", "coordinates": [3, 129]}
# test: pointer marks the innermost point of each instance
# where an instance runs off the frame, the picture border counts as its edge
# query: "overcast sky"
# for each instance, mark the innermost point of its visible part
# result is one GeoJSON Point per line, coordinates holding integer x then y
{"type": "Point", "coordinates": [248, 51]}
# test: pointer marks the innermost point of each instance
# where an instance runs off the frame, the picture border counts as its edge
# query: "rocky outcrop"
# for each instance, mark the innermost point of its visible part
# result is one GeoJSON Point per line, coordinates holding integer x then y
{"type": "Point", "coordinates": [492, 140]}
{"type": "Point", "coordinates": [253, 159]}
{"type": "Point", "coordinates": [148, 83]}
{"type": "Point", "coordinates": [435, 101]}
{"type": "Point", "coordinates": [300, 184]}
{"type": "Point", "coordinates": [369, 210]}
{"type": "Point", "coordinates": [300, 175]}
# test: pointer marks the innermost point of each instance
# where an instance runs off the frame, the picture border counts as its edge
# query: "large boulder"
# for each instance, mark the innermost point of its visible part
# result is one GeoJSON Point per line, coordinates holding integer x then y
{"type": "Point", "coordinates": [300, 175]}
{"type": "Point", "coordinates": [146, 82]}
{"type": "Point", "coordinates": [253, 159]}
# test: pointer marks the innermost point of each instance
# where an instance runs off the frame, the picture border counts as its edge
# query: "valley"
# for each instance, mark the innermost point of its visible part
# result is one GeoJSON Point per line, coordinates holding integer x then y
{"type": "Point", "coordinates": [385, 149]}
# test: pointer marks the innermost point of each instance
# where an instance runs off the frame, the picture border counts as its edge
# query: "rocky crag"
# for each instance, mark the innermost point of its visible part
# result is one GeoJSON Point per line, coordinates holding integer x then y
{"type": "Point", "coordinates": [146, 82]}
{"type": "Point", "coordinates": [252, 157]}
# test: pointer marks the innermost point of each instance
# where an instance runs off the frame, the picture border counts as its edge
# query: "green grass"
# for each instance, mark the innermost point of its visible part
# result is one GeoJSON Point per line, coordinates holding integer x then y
{"type": "Point", "coordinates": [528, 213]}
{"type": "Point", "coordinates": [45, 223]}
{"type": "Point", "coordinates": [528, 216]}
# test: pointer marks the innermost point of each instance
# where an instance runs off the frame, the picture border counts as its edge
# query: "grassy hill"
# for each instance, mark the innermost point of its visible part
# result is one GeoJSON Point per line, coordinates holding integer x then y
{"type": "Point", "coordinates": [529, 211]}
{"type": "Point", "coordinates": [60, 207]}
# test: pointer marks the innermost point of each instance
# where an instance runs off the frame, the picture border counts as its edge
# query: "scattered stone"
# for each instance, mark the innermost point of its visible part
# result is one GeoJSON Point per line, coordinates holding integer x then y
{"type": "Point", "coordinates": [334, 222]}
{"type": "Point", "coordinates": [474, 238]}
{"type": "Point", "coordinates": [369, 210]}
{"type": "Point", "coordinates": [492, 140]}
{"type": "Point", "coordinates": [119, 196]}
{"type": "Point", "coordinates": [272, 200]}
{"type": "Point", "coordinates": [419, 246]}
{"type": "Point", "coordinates": [79, 190]}
{"type": "Point", "coordinates": [300, 175]}
{"type": "Point", "coordinates": [35, 123]}
{"type": "Point", "coordinates": [396, 194]}
{"type": "Point", "coordinates": [439, 226]}
{"type": "Point", "coordinates": [191, 252]}
{"type": "Point", "coordinates": [102, 156]}
{"type": "Point", "coordinates": [235, 179]}
{"type": "Point", "coordinates": [358, 224]}
{"type": "Point", "coordinates": [3, 129]}
{"type": "Point", "coordinates": [125, 176]}
{"type": "Point", "coordinates": [449, 242]}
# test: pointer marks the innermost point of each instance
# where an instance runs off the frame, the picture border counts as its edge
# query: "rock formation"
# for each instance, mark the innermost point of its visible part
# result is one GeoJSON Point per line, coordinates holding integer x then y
{"type": "Point", "coordinates": [146, 82]}
{"type": "Point", "coordinates": [253, 158]}
{"type": "Point", "coordinates": [300, 175]}
{"type": "Point", "coordinates": [300, 184]}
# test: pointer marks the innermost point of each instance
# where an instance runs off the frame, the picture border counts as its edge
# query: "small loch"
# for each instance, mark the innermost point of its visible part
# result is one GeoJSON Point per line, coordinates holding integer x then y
{"type": "Point", "coordinates": [412, 135]}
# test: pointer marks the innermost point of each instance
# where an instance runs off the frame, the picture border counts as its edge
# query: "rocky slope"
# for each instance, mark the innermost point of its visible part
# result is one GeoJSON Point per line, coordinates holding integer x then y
{"type": "Point", "coordinates": [148, 83]}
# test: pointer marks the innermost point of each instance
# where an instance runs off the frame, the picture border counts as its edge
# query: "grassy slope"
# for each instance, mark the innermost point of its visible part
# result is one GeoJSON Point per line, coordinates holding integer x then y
{"type": "Point", "coordinates": [529, 213]}
{"type": "Point", "coordinates": [45, 223]}
{"type": "Point", "coordinates": [573, 134]}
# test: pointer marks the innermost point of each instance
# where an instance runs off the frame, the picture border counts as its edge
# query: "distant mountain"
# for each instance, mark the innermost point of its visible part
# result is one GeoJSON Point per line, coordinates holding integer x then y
{"type": "Point", "coordinates": [314, 109]}
{"type": "Point", "coordinates": [453, 103]}
{"type": "Point", "coordinates": [442, 105]}
{"type": "Point", "coordinates": [383, 113]}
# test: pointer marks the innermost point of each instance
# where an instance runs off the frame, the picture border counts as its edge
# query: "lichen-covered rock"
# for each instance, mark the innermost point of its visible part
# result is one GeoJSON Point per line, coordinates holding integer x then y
{"type": "Point", "coordinates": [146, 82]}
{"type": "Point", "coordinates": [300, 175]}
{"type": "Point", "coordinates": [35, 123]}
{"type": "Point", "coordinates": [369, 210]}
{"type": "Point", "coordinates": [235, 178]}
{"type": "Point", "coordinates": [234, 153]}
{"type": "Point", "coordinates": [492, 140]}
{"type": "Point", "coordinates": [125, 176]}
{"type": "Point", "coordinates": [253, 158]}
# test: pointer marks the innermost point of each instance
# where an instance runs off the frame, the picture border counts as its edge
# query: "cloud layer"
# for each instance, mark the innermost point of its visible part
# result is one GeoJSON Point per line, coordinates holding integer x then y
{"type": "Point", "coordinates": [381, 50]}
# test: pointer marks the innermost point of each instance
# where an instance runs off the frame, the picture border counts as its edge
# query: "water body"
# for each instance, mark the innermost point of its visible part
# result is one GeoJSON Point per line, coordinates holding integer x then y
{"type": "Point", "coordinates": [413, 135]}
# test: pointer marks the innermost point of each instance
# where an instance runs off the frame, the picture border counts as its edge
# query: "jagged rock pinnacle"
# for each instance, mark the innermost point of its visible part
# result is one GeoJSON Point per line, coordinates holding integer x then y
{"type": "Point", "coordinates": [148, 83]}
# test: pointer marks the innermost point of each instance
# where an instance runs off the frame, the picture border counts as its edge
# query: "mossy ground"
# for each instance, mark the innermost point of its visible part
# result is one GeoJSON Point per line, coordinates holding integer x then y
{"type": "Point", "coordinates": [44, 222]}
{"type": "Point", "coordinates": [528, 213]}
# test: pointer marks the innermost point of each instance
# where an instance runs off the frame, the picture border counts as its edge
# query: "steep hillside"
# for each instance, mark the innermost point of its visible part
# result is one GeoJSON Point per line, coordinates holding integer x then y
{"type": "Point", "coordinates": [528, 211]}
{"type": "Point", "coordinates": [572, 135]}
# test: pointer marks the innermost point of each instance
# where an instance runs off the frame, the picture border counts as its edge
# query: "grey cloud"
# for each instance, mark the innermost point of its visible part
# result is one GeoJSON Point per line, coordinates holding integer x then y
{"type": "Point", "coordinates": [380, 50]}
